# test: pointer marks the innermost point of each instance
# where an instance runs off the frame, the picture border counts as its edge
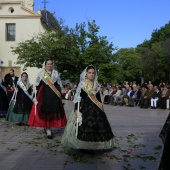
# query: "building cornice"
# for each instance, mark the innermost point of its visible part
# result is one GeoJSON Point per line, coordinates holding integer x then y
{"type": "Point", "coordinates": [19, 16]}
{"type": "Point", "coordinates": [34, 14]}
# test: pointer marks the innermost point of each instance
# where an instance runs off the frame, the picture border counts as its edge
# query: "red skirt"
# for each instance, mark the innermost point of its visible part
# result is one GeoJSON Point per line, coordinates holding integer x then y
{"type": "Point", "coordinates": [49, 120]}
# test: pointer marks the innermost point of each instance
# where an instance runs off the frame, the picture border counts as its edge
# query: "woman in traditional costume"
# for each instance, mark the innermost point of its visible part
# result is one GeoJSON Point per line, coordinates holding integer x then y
{"type": "Point", "coordinates": [4, 103]}
{"type": "Point", "coordinates": [165, 136]}
{"type": "Point", "coordinates": [21, 102]}
{"type": "Point", "coordinates": [88, 127]}
{"type": "Point", "coordinates": [47, 110]}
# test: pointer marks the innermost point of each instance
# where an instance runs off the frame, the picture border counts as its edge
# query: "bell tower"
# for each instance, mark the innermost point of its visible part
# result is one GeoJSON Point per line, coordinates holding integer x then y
{"type": "Point", "coordinates": [29, 4]}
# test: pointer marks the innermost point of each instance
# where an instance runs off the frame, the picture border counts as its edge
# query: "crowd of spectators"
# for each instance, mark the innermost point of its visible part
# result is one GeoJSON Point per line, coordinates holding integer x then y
{"type": "Point", "coordinates": [68, 91]}
{"type": "Point", "coordinates": [130, 94]}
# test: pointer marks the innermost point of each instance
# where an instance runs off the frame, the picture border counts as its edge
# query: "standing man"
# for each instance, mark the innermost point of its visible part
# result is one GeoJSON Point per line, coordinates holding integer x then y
{"type": "Point", "coordinates": [10, 83]}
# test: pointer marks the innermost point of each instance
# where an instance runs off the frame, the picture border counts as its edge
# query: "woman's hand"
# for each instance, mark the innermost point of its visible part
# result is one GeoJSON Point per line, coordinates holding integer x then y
{"type": "Point", "coordinates": [76, 113]}
{"type": "Point", "coordinates": [35, 101]}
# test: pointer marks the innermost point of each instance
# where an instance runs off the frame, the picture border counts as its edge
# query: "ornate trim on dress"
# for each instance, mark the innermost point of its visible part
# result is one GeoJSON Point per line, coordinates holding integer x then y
{"type": "Point", "coordinates": [48, 81]}
{"type": "Point", "coordinates": [91, 92]}
{"type": "Point", "coordinates": [78, 91]}
{"type": "Point", "coordinates": [23, 87]}
{"type": "Point", "coordinates": [54, 77]}
{"type": "Point", "coordinates": [94, 99]}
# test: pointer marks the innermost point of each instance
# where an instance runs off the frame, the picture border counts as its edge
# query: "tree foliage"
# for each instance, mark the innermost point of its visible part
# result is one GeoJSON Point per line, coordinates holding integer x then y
{"type": "Point", "coordinates": [71, 50]}
{"type": "Point", "coordinates": [155, 55]}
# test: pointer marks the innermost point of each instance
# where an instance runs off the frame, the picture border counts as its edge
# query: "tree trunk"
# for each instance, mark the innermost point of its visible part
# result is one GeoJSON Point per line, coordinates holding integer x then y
{"type": "Point", "coordinates": [142, 80]}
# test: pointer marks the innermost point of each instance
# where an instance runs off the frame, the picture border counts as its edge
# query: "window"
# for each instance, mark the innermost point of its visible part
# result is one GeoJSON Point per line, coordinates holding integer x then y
{"type": "Point", "coordinates": [10, 32]}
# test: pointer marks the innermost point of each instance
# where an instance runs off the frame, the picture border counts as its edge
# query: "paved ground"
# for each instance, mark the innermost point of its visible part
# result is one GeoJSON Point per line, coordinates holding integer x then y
{"type": "Point", "coordinates": [137, 144]}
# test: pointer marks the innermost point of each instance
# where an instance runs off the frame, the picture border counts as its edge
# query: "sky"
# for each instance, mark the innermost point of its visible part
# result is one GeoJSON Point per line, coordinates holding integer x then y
{"type": "Point", "coordinates": [126, 23]}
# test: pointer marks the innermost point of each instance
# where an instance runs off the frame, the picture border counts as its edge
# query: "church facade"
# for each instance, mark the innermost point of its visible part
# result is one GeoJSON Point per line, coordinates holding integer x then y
{"type": "Point", "coordinates": [18, 23]}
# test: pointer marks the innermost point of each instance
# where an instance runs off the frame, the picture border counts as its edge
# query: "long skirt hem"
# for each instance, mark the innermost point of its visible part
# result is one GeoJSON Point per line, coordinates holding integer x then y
{"type": "Point", "coordinates": [70, 140]}
{"type": "Point", "coordinates": [16, 117]}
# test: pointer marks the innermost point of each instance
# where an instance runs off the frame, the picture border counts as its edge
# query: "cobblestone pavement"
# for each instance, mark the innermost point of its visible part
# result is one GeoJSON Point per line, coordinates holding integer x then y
{"type": "Point", "coordinates": [137, 144]}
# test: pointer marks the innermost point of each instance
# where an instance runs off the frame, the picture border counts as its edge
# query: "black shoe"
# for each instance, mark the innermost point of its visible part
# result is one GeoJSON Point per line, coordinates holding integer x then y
{"type": "Point", "coordinates": [45, 131]}
{"type": "Point", "coordinates": [146, 107]}
{"type": "Point", "coordinates": [49, 136]}
{"type": "Point", "coordinates": [87, 151]}
{"type": "Point", "coordinates": [19, 124]}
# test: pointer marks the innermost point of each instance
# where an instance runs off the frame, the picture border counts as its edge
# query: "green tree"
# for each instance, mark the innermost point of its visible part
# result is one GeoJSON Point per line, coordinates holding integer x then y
{"type": "Point", "coordinates": [71, 50]}
{"type": "Point", "coordinates": [57, 45]}
{"type": "Point", "coordinates": [129, 62]}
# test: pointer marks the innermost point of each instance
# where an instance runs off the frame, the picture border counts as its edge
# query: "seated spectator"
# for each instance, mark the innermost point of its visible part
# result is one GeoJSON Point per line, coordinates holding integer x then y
{"type": "Point", "coordinates": [126, 84]}
{"type": "Point", "coordinates": [105, 94]}
{"type": "Point", "coordinates": [112, 92]}
{"type": "Point", "coordinates": [68, 94]}
{"type": "Point", "coordinates": [145, 100]}
{"type": "Point", "coordinates": [131, 84]}
{"type": "Point", "coordinates": [162, 84]}
{"type": "Point", "coordinates": [168, 99]}
{"type": "Point", "coordinates": [74, 91]}
{"type": "Point", "coordinates": [144, 84]}
{"type": "Point", "coordinates": [119, 99]}
{"type": "Point", "coordinates": [155, 97]}
{"type": "Point", "coordinates": [164, 97]}
{"type": "Point", "coordinates": [134, 97]}
{"type": "Point", "coordinates": [128, 98]}
{"type": "Point", "coordinates": [64, 91]}
{"type": "Point", "coordinates": [149, 84]}
{"type": "Point", "coordinates": [113, 98]}
{"type": "Point", "coordinates": [134, 84]}
{"type": "Point", "coordinates": [138, 95]}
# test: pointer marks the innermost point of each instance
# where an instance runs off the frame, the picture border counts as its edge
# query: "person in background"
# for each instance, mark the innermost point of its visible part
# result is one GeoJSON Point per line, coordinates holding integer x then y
{"type": "Point", "coordinates": [162, 84]}
{"type": "Point", "coordinates": [117, 94]}
{"type": "Point", "coordinates": [149, 84]}
{"type": "Point", "coordinates": [105, 94]}
{"type": "Point", "coordinates": [168, 100]}
{"type": "Point", "coordinates": [145, 100]}
{"type": "Point", "coordinates": [10, 81]}
{"type": "Point", "coordinates": [21, 102]}
{"type": "Point", "coordinates": [112, 91]}
{"type": "Point", "coordinates": [155, 98]}
{"type": "Point", "coordinates": [120, 99]}
{"type": "Point", "coordinates": [164, 97]}
{"type": "Point", "coordinates": [128, 98]}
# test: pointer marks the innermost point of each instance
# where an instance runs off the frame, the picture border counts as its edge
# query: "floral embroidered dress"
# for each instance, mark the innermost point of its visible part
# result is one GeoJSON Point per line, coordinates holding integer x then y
{"type": "Point", "coordinates": [21, 103]}
{"type": "Point", "coordinates": [94, 131]}
{"type": "Point", "coordinates": [49, 111]}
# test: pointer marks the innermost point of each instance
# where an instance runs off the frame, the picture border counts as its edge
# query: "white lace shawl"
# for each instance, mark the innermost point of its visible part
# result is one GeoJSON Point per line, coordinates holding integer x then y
{"type": "Point", "coordinates": [83, 74]}
{"type": "Point", "coordinates": [55, 76]}
{"type": "Point", "coordinates": [97, 86]}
